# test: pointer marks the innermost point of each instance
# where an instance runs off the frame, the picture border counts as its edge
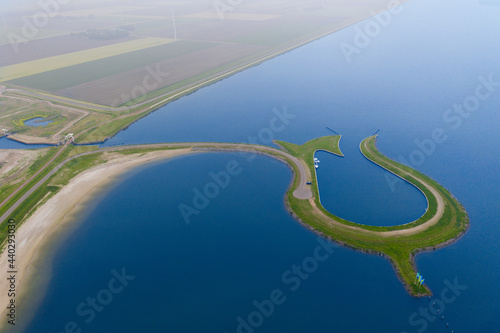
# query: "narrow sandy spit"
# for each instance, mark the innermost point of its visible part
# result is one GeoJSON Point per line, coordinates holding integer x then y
{"type": "Point", "coordinates": [61, 209]}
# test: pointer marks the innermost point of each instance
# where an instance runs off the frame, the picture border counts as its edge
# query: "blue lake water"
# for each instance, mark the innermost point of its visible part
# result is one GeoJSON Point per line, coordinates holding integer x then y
{"type": "Point", "coordinates": [344, 182]}
{"type": "Point", "coordinates": [11, 144]}
{"type": "Point", "coordinates": [203, 276]}
{"type": "Point", "coordinates": [37, 122]}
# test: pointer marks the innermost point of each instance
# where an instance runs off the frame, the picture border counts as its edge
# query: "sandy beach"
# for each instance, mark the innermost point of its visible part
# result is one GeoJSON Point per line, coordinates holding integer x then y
{"type": "Point", "coordinates": [63, 208]}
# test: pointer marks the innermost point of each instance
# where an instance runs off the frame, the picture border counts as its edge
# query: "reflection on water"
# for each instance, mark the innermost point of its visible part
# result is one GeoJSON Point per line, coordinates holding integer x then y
{"type": "Point", "coordinates": [37, 122]}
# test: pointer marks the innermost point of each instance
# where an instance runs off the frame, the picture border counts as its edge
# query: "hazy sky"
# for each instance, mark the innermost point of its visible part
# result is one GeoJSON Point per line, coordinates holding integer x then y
{"type": "Point", "coordinates": [33, 5]}
{"type": "Point", "coordinates": [10, 5]}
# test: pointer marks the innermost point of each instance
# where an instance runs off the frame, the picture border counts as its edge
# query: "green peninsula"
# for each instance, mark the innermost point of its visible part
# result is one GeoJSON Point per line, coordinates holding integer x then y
{"type": "Point", "coordinates": [444, 221]}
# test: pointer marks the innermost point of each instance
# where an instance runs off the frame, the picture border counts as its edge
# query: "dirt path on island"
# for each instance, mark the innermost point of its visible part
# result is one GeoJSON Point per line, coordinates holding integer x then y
{"type": "Point", "coordinates": [433, 220]}
{"type": "Point", "coordinates": [393, 233]}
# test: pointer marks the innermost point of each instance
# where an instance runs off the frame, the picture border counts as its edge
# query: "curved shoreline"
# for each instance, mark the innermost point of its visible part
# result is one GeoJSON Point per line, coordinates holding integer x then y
{"type": "Point", "coordinates": [381, 166]}
{"type": "Point", "coordinates": [60, 208]}
{"type": "Point", "coordinates": [439, 199]}
{"type": "Point", "coordinates": [443, 223]}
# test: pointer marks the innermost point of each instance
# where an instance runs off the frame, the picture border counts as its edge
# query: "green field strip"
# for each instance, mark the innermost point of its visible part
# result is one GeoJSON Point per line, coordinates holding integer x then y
{"type": "Point", "coordinates": [98, 69]}
{"type": "Point", "coordinates": [39, 66]}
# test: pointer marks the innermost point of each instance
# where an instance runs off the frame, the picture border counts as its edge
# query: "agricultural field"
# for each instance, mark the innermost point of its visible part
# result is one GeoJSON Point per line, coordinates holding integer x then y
{"type": "Point", "coordinates": [89, 71]}
{"type": "Point", "coordinates": [122, 87]}
{"type": "Point", "coordinates": [51, 47]}
{"type": "Point", "coordinates": [283, 32]}
{"type": "Point", "coordinates": [198, 40]}
{"type": "Point", "coordinates": [47, 65]}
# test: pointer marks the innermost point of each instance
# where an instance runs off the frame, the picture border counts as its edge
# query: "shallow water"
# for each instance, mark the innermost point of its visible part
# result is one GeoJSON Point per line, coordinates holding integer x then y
{"type": "Point", "coordinates": [11, 144]}
{"type": "Point", "coordinates": [37, 122]}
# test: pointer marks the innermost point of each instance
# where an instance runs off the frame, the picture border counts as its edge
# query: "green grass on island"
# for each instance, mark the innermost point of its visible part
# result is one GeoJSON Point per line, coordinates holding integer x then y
{"type": "Point", "coordinates": [398, 248]}
{"type": "Point", "coordinates": [444, 220]}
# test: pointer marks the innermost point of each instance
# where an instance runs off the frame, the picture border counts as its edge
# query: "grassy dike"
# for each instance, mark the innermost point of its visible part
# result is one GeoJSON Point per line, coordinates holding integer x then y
{"type": "Point", "coordinates": [32, 169]}
{"type": "Point", "coordinates": [42, 194]}
{"type": "Point", "coordinates": [399, 243]}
